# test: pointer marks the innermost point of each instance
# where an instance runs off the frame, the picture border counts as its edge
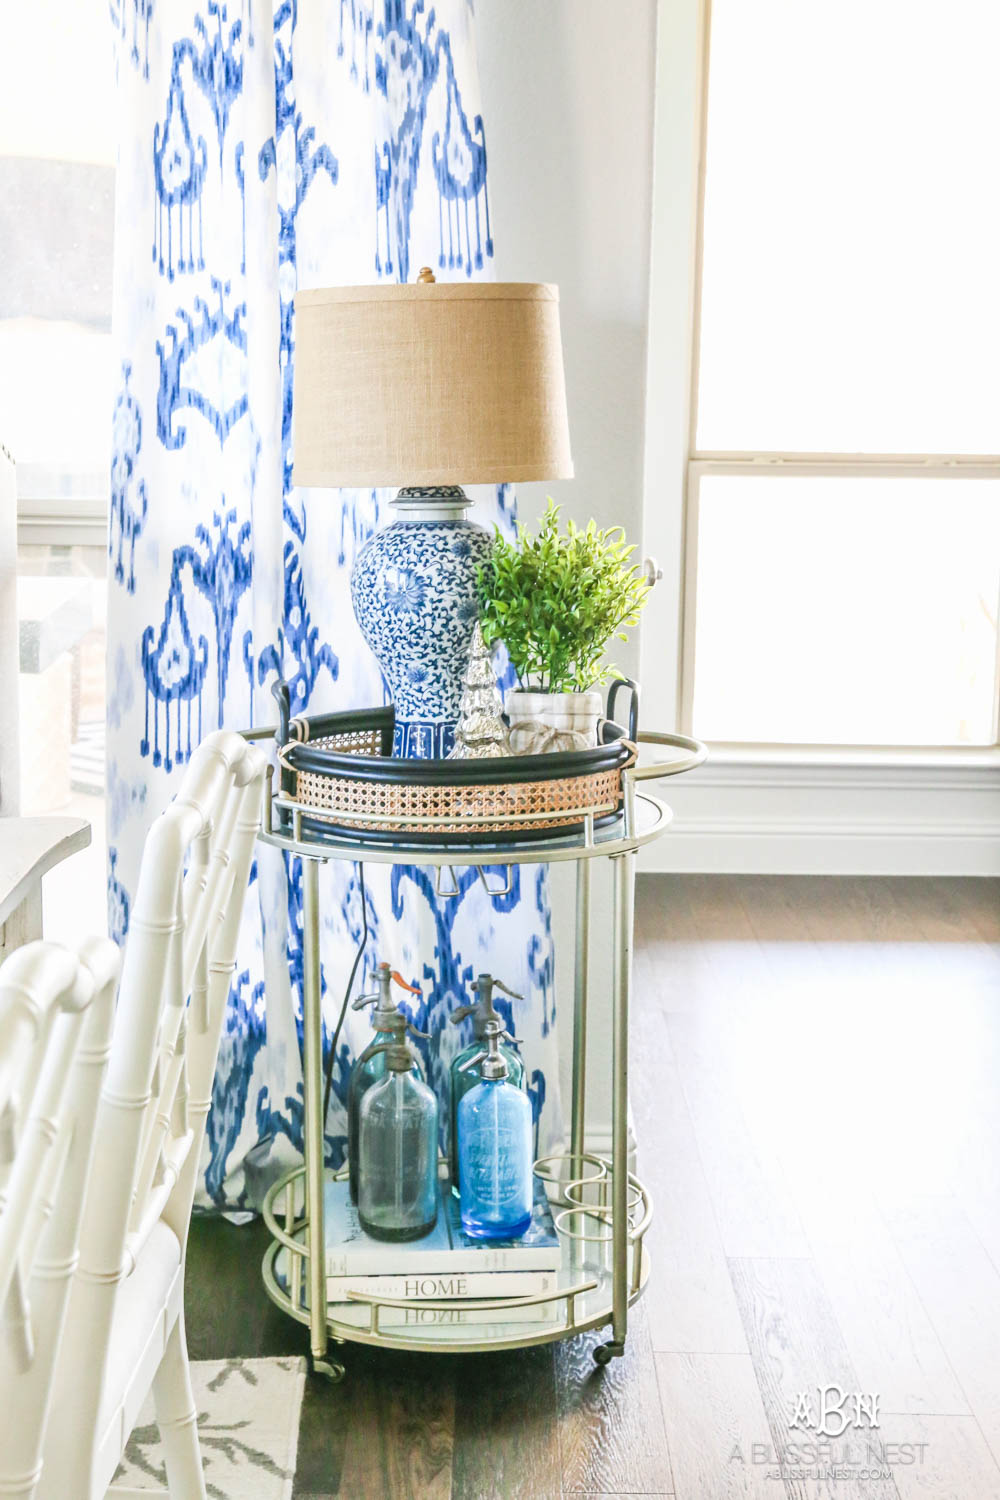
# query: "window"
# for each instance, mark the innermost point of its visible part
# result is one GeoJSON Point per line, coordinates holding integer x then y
{"type": "Point", "coordinates": [61, 621]}
{"type": "Point", "coordinates": [56, 392]}
{"type": "Point", "coordinates": [843, 512]}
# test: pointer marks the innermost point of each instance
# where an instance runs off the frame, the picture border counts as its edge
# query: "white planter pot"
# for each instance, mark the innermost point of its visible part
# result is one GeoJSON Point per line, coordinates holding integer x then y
{"type": "Point", "coordinates": [541, 722]}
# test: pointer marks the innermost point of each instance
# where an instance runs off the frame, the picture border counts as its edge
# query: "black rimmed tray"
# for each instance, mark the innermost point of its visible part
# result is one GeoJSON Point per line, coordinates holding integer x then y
{"type": "Point", "coordinates": [339, 770]}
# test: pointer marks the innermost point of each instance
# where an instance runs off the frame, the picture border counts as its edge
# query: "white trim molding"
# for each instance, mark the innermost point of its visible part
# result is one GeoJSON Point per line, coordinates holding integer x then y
{"type": "Point", "coordinates": [834, 816]}
{"type": "Point", "coordinates": [677, 152]}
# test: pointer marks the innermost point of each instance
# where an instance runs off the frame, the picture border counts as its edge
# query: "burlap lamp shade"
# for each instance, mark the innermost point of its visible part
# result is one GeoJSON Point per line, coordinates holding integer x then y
{"type": "Point", "coordinates": [429, 384]}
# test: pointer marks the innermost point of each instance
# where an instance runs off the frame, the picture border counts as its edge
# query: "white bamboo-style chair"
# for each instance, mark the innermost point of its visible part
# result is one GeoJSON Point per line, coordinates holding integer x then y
{"type": "Point", "coordinates": [124, 1331]}
{"type": "Point", "coordinates": [55, 1020]}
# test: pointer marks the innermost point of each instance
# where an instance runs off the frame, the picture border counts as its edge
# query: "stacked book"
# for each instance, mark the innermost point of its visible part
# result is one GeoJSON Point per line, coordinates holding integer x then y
{"type": "Point", "coordinates": [444, 1266]}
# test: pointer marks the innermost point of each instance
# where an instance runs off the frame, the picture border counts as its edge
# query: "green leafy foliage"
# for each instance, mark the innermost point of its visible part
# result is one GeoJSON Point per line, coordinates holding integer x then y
{"type": "Point", "coordinates": [557, 599]}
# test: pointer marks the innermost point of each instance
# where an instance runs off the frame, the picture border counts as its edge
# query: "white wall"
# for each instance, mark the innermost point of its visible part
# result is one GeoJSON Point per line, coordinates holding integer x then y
{"type": "Point", "coordinates": [568, 103]}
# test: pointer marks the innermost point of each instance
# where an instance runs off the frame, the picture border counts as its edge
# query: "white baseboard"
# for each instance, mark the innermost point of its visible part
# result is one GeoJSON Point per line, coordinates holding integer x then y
{"type": "Point", "coordinates": [832, 820]}
{"type": "Point", "coordinates": [791, 848]}
{"type": "Point", "coordinates": [599, 1142]}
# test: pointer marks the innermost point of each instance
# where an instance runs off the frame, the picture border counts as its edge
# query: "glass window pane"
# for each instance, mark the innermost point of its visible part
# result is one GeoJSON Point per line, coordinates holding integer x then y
{"type": "Point", "coordinates": [56, 221]}
{"type": "Point", "coordinates": [851, 301]}
{"type": "Point", "coordinates": [61, 608]}
{"type": "Point", "coordinates": [847, 611]}
{"type": "Point", "coordinates": [57, 94]}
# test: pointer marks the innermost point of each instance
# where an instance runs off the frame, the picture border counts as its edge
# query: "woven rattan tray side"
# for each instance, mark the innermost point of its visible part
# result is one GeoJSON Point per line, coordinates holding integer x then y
{"type": "Point", "coordinates": [508, 807]}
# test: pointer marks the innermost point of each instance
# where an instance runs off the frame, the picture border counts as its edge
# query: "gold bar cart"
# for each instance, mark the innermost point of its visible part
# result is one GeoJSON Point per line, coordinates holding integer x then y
{"type": "Point", "coordinates": [601, 1209]}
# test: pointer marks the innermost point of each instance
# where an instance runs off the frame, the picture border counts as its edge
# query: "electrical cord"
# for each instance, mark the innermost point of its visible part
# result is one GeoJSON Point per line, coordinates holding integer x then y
{"type": "Point", "coordinates": [332, 1056]}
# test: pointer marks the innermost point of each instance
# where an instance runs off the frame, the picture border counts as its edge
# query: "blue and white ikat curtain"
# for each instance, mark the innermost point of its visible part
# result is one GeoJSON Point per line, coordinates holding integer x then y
{"type": "Point", "coordinates": [263, 147]}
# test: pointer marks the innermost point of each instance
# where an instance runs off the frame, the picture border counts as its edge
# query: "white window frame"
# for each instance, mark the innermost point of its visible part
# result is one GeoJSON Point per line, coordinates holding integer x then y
{"type": "Point", "coordinates": [62, 523]}
{"type": "Point", "coordinates": [808, 808]}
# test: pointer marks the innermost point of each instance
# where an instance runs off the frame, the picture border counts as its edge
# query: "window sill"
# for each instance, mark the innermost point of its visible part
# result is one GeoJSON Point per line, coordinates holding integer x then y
{"type": "Point", "coordinates": [60, 522]}
{"type": "Point", "coordinates": [835, 767]}
{"type": "Point", "coordinates": [852, 757]}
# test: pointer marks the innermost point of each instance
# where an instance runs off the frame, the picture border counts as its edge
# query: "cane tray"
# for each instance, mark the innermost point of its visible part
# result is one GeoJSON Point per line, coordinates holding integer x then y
{"type": "Point", "coordinates": [339, 769]}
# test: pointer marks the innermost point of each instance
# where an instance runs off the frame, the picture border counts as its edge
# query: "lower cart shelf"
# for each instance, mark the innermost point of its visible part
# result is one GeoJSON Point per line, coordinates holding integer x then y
{"type": "Point", "coordinates": [581, 1299]}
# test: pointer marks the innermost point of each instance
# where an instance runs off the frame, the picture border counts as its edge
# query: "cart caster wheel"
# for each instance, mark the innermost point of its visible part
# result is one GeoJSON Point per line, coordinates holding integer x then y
{"type": "Point", "coordinates": [605, 1353]}
{"type": "Point", "coordinates": [331, 1370]}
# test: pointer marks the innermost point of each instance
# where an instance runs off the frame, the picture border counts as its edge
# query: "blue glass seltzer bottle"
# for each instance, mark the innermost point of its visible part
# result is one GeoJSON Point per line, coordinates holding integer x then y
{"type": "Point", "coordinates": [494, 1148]}
{"type": "Point", "coordinates": [460, 1080]}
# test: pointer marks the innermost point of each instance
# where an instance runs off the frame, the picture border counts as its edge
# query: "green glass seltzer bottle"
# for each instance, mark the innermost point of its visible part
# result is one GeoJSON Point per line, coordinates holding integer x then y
{"type": "Point", "coordinates": [398, 1151]}
{"type": "Point", "coordinates": [391, 1026]}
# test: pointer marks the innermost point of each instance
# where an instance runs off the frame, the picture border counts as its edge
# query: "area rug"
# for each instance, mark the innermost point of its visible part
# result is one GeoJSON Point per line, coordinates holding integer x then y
{"type": "Point", "coordinates": [248, 1423]}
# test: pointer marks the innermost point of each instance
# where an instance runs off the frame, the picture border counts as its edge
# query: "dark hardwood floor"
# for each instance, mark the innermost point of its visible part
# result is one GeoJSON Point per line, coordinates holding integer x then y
{"type": "Point", "coordinates": [816, 1092]}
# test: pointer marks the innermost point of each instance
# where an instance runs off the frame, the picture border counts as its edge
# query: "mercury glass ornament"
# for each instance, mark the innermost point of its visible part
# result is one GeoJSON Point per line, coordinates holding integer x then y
{"type": "Point", "coordinates": [480, 733]}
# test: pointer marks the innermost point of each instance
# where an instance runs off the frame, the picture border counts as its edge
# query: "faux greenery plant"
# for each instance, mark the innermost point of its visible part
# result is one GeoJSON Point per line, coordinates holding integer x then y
{"type": "Point", "coordinates": [557, 599]}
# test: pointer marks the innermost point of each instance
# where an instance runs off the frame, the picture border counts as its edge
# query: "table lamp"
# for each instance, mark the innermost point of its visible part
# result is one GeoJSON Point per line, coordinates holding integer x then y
{"type": "Point", "coordinates": [428, 386]}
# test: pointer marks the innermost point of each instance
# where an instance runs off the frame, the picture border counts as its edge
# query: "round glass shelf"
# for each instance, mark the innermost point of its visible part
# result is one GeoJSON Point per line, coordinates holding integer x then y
{"type": "Point", "coordinates": [449, 1329]}
{"type": "Point", "coordinates": [580, 1298]}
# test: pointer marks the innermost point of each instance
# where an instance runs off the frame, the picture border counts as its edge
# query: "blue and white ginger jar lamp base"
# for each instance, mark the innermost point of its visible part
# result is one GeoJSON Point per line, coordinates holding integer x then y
{"type": "Point", "coordinates": [413, 587]}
